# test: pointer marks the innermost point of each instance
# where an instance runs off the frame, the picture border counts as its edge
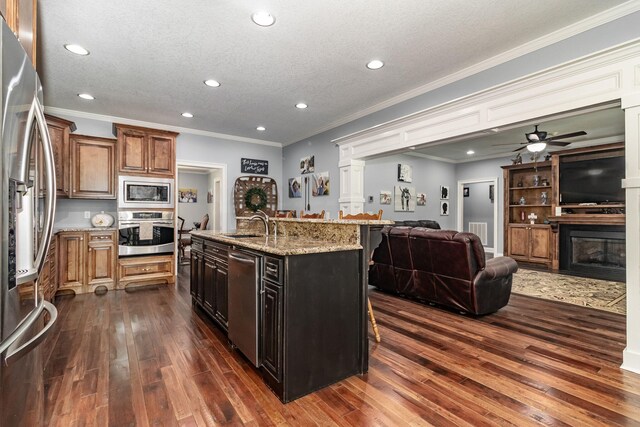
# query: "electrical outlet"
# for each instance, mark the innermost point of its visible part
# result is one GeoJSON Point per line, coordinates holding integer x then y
{"type": "Point", "coordinates": [87, 214]}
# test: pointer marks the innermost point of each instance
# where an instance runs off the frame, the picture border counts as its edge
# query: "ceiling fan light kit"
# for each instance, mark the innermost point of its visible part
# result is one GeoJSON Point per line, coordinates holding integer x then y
{"type": "Point", "coordinates": [536, 147]}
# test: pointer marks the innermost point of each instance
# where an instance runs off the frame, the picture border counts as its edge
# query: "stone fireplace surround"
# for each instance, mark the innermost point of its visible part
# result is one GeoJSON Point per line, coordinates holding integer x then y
{"type": "Point", "coordinates": [596, 251]}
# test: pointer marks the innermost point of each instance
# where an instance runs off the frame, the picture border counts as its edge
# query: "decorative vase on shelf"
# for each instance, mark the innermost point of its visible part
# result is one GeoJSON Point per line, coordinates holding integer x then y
{"type": "Point", "coordinates": [522, 216]}
{"type": "Point", "coordinates": [543, 198]}
{"type": "Point", "coordinates": [522, 201]}
{"type": "Point", "coordinates": [536, 180]}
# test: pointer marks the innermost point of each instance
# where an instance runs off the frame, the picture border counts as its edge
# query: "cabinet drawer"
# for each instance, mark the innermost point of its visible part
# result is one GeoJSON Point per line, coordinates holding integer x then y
{"type": "Point", "coordinates": [101, 236]}
{"type": "Point", "coordinates": [273, 268]}
{"type": "Point", "coordinates": [134, 269]}
{"type": "Point", "coordinates": [217, 251]}
{"type": "Point", "coordinates": [197, 245]}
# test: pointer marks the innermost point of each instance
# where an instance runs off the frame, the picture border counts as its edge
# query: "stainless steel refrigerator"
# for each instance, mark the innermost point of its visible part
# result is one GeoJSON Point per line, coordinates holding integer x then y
{"type": "Point", "coordinates": [26, 221]}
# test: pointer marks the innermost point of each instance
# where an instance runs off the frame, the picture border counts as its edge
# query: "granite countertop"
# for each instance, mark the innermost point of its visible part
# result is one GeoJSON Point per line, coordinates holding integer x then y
{"type": "Point", "coordinates": [329, 221]}
{"type": "Point", "coordinates": [81, 228]}
{"type": "Point", "coordinates": [277, 245]}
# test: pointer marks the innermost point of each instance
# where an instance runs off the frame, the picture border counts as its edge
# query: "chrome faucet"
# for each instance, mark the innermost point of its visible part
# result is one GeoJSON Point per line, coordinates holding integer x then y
{"type": "Point", "coordinates": [265, 220]}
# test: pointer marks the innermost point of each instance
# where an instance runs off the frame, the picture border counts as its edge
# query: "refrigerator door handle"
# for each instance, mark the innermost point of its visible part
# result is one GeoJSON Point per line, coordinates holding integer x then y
{"type": "Point", "coordinates": [22, 328]}
{"type": "Point", "coordinates": [50, 193]}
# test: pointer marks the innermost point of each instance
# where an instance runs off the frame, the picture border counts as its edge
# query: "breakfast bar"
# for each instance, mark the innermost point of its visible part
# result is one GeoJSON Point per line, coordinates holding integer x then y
{"type": "Point", "coordinates": [293, 302]}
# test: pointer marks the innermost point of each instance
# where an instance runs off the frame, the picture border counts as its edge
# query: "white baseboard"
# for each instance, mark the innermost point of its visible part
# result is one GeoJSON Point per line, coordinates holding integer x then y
{"type": "Point", "coordinates": [630, 361]}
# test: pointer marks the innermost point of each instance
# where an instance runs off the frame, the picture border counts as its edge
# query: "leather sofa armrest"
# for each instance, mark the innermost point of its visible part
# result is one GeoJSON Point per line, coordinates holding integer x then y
{"type": "Point", "coordinates": [497, 267]}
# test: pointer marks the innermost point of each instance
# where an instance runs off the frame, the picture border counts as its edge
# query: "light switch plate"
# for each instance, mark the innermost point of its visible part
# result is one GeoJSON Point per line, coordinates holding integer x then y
{"type": "Point", "coordinates": [558, 211]}
{"type": "Point", "coordinates": [87, 214]}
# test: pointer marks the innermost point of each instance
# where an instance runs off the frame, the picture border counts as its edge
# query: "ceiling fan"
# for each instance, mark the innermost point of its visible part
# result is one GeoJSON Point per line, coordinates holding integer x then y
{"type": "Point", "coordinates": [537, 140]}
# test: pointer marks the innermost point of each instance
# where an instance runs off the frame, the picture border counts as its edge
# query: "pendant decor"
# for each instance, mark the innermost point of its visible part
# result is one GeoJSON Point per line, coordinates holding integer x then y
{"type": "Point", "coordinates": [251, 193]}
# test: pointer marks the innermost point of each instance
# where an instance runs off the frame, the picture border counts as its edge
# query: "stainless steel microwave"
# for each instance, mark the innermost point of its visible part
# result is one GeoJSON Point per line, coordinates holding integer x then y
{"type": "Point", "coordinates": [145, 193]}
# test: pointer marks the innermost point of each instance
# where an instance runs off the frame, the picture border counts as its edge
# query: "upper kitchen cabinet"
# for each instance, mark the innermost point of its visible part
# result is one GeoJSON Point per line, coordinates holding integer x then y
{"type": "Point", "coordinates": [20, 16]}
{"type": "Point", "coordinates": [93, 167]}
{"type": "Point", "coordinates": [59, 131]}
{"type": "Point", "coordinates": [144, 151]}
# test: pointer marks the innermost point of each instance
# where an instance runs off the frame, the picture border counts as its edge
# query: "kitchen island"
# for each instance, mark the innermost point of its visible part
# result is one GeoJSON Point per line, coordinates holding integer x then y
{"type": "Point", "coordinates": [309, 296]}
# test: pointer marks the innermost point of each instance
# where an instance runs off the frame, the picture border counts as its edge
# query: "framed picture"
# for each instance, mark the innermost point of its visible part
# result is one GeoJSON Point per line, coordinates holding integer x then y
{"type": "Point", "coordinates": [465, 191]}
{"type": "Point", "coordinates": [385, 197]}
{"type": "Point", "coordinates": [307, 164]}
{"type": "Point", "coordinates": [444, 192]}
{"type": "Point", "coordinates": [187, 195]}
{"type": "Point", "coordinates": [404, 173]}
{"type": "Point", "coordinates": [294, 187]}
{"type": "Point", "coordinates": [320, 184]}
{"type": "Point", "coordinates": [421, 199]}
{"type": "Point", "coordinates": [209, 196]}
{"type": "Point", "coordinates": [444, 208]}
{"type": "Point", "coordinates": [491, 193]}
{"type": "Point", "coordinates": [405, 198]}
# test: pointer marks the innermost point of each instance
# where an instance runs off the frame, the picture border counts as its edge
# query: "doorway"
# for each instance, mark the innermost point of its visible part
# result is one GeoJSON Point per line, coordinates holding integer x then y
{"type": "Point", "coordinates": [199, 191]}
{"type": "Point", "coordinates": [478, 210]}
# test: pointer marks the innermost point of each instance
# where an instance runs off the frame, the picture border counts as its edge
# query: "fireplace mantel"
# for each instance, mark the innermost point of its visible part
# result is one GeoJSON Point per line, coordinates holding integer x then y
{"type": "Point", "coordinates": [593, 219]}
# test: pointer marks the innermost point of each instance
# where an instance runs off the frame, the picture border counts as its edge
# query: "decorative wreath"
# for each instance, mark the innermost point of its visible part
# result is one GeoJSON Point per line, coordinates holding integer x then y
{"type": "Point", "coordinates": [255, 198]}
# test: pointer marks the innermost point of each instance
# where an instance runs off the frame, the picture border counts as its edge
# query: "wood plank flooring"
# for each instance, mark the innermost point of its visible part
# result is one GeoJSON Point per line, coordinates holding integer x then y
{"type": "Point", "coordinates": [146, 358]}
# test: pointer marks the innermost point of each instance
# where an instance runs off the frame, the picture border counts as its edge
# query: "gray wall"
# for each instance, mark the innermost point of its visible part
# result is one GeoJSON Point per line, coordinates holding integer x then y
{"type": "Point", "coordinates": [428, 176]}
{"type": "Point", "coordinates": [193, 212]}
{"type": "Point", "coordinates": [478, 208]}
{"type": "Point", "coordinates": [200, 148]}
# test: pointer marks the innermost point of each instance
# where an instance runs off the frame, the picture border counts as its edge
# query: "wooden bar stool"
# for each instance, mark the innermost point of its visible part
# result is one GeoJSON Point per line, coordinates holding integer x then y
{"type": "Point", "coordinates": [370, 217]}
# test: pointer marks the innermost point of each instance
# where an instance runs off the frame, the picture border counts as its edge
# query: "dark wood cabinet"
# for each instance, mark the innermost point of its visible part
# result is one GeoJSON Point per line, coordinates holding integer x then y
{"type": "Point", "coordinates": [143, 151]}
{"type": "Point", "coordinates": [272, 330]}
{"type": "Point", "coordinates": [209, 279]}
{"type": "Point", "coordinates": [93, 167]}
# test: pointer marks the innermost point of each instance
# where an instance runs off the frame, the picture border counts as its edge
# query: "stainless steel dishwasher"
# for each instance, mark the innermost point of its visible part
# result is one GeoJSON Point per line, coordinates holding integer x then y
{"type": "Point", "coordinates": [244, 297]}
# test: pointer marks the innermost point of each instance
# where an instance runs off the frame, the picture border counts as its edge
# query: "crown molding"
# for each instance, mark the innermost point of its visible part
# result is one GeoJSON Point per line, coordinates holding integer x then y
{"type": "Point", "coordinates": [539, 43]}
{"type": "Point", "coordinates": [105, 118]}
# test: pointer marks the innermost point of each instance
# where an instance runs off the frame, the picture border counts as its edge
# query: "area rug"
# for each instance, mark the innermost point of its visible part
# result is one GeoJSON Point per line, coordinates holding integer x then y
{"type": "Point", "coordinates": [594, 293]}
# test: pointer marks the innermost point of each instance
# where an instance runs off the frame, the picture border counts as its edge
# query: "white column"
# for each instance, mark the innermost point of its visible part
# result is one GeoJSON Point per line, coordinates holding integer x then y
{"type": "Point", "coordinates": [631, 106]}
{"type": "Point", "coordinates": [352, 186]}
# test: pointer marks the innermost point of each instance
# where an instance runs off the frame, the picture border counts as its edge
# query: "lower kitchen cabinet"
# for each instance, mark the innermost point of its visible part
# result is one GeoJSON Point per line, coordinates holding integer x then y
{"type": "Point", "coordinates": [146, 270]}
{"type": "Point", "coordinates": [47, 280]}
{"type": "Point", "coordinates": [209, 279]}
{"type": "Point", "coordinates": [272, 330]}
{"type": "Point", "coordinates": [86, 260]}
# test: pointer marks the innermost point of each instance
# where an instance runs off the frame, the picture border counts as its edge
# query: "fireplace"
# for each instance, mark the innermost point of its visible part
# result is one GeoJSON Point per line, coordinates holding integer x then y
{"type": "Point", "coordinates": [596, 251]}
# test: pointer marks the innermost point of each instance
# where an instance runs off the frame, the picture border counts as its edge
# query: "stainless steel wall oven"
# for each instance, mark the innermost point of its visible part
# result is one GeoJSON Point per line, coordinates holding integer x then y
{"type": "Point", "coordinates": [145, 233]}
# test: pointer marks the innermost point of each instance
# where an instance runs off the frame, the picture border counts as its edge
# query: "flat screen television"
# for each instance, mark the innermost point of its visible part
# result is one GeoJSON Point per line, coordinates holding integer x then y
{"type": "Point", "coordinates": [592, 181]}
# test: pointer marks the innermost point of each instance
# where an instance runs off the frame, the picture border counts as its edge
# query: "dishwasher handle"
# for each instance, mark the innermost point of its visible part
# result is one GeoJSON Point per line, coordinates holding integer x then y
{"type": "Point", "coordinates": [241, 258]}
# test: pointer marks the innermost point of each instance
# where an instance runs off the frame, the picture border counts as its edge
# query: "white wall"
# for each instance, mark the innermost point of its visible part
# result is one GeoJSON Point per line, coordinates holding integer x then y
{"type": "Point", "coordinates": [479, 208]}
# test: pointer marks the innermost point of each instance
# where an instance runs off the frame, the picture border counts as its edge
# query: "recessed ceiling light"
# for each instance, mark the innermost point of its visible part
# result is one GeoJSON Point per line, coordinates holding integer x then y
{"type": "Point", "coordinates": [77, 49]}
{"type": "Point", "coordinates": [264, 19]}
{"type": "Point", "coordinates": [86, 96]}
{"type": "Point", "coordinates": [375, 64]}
{"type": "Point", "coordinates": [261, 128]}
{"type": "Point", "coordinates": [470, 152]}
{"type": "Point", "coordinates": [301, 105]}
{"type": "Point", "coordinates": [187, 115]}
{"type": "Point", "coordinates": [412, 148]}
{"type": "Point", "coordinates": [212, 83]}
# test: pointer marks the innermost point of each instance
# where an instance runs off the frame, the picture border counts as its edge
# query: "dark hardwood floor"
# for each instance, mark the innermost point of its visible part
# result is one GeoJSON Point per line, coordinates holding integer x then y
{"type": "Point", "coordinates": [146, 358]}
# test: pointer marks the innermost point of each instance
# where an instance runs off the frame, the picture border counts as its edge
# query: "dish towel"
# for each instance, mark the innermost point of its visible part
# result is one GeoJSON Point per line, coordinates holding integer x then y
{"type": "Point", "coordinates": [146, 231]}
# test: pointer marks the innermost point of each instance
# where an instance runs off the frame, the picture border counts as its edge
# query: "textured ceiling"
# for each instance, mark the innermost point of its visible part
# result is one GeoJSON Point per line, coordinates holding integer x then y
{"type": "Point", "coordinates": [149, 57]}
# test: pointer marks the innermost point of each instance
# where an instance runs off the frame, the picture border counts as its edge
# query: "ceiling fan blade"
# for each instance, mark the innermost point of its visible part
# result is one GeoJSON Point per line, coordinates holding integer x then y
{"type": "Point", "coordinates": [518, 149]}
{"type": "Point", "coordinates": [558, 143]}
{"type": "Point", "coordinates": [568, 135]}
{"type": "Point", "coordinates": [508, 143]}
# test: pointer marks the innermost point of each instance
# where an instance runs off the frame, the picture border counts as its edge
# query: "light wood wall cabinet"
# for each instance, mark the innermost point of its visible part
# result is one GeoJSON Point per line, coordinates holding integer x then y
{"type": "Point", "coordinates": [93, 167]}
{"type": "Point", "coordinates": [528, 190]}
{"type": "Point", "coordinates": [87, 260]}
{"type": "Point", "coordinates": [21, 17]}
{"type": "Point", "coordinates": [143, 271]}
{"type": "Point", "coordinates": [144, 151]}
{"type": "Point", "coordinates": [59, 132]}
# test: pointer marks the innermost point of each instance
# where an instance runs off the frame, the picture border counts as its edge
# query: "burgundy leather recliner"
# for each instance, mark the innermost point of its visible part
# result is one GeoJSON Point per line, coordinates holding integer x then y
{"type": "Point", "coordinates": [441, 266]}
